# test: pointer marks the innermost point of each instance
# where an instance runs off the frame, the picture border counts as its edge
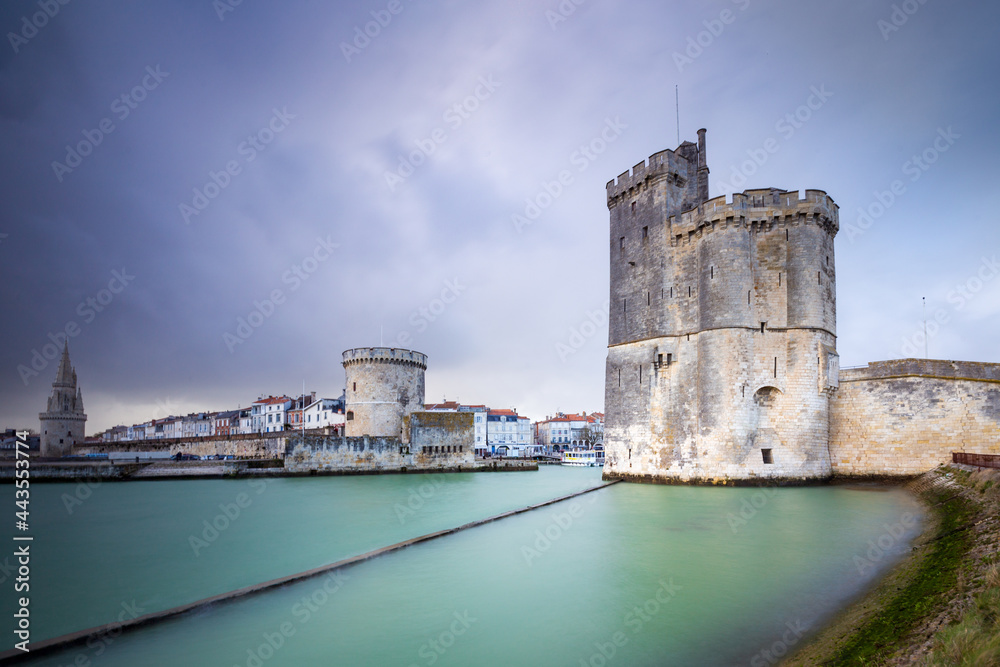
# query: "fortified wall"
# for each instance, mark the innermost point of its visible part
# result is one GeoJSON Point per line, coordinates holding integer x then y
{"type": "Point", "coordinates": [438, 441]}
{"type": "Point", "coordinates": [907, 416]}
{"type": "Point", "coordinates": [252, 446]}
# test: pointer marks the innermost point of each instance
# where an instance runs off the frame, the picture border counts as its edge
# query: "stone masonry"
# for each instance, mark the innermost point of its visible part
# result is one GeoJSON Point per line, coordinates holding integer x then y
{"type": "Point", "coordinates": [438, 441]}
{"type": "Point", "coordinates": [907, 416]}
{"type": "Point", "coordinates": [384, 387]}
{"type": "Point", "coordinates": [722, 343]}
{"type": "Point", "coordinates": [722, 365]}
{"type": "Point", "coordinates": [62, 424]}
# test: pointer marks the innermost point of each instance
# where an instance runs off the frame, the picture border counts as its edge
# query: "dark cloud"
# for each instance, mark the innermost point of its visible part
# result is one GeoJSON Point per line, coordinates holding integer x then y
{"type": "Point", "coordinates": [158, 346]}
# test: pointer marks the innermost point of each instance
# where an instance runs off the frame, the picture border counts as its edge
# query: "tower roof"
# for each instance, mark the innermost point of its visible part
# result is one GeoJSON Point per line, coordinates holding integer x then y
{"type": "Point", "coordinates": [65, 376]}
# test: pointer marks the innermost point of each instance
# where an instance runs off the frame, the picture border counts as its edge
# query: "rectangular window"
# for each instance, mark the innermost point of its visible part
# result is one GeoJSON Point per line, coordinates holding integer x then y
{"type": "Point", "coordinates": [640, 374]}
{"type": "Point", "coordinates": [647, 298]}
{"type": "Point", "coordinates": [633, 207]}
{"type": "Point", "coordinates": [762, 325]}
{"type": "Point", "coordinates": [659, 358]}
{"type": "Point", "coordinates": [779, 280]}
{"type": "Point", "coordinates": [689, 290]}
{"type": "Point", "coordinates": [766, 453]}
{"type": "Point", "coordinates": [819, 278]}
{"type": "Point", "coordinates": [776, 367]}
{"type": "Point", "coordinates": [748, 297]}
{"type": "Point", "coordinates": [670, 358]}
{"type": "Point", "coordinates": [621, 244]}
{"type": "Point", "coordinates": [711, 270]}
{"type": "Point", "coordinates": [645, 233]}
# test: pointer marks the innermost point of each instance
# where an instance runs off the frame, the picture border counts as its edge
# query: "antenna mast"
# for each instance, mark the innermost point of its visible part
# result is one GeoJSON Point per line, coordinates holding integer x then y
{"type": "Point", "coordinates": [677, 107]}
{"type": "Point", "coordinates": [926, 342]}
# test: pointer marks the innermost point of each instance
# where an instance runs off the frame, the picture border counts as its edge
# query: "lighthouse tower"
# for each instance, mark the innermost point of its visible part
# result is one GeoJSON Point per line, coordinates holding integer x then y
{"type": "Point", "coordinates": [62, 423]}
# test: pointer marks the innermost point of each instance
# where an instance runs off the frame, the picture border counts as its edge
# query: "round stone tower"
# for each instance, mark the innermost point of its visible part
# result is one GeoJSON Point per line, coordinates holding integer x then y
{"type": "Point", "coordinates": [62, 423]}
{"type": "Point", "coordinates": [385, 385]}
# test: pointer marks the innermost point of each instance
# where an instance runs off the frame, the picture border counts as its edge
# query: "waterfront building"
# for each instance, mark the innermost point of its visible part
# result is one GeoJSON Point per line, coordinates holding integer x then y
{"type": "Point", "coordinates": [246, 421]}
{"type": "Point", "coordinates": [508, 433]}
{"type": "Point", "coordinates": [226, 422]}
{"type": "Point", "coordinates": [570, 431]}
{"type": "Point", "coordinates": [269, 414]}
{"type": "Point", "coordinates": [196, 425]}
{"type": "Point", "coordinates": [325, 413]}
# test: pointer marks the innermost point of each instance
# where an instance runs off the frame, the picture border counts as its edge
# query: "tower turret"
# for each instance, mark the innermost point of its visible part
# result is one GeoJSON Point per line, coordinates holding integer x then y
{"type": "Point", "coordinates": [384, 387]}
{"type": "Point", "coordinates": [722, 328]}
{"type": "Point", "coordinates": [702, 168]}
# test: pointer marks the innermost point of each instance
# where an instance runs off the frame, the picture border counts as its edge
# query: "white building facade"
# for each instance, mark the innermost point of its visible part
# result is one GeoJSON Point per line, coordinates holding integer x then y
{"type": "Point", "coordinates": [324, 413]}
{"type": "Point", "coordinates": [508, 434]}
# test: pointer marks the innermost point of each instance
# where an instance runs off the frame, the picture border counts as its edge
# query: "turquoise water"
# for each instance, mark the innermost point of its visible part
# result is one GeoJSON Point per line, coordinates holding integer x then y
{"type": "Point", "coordinates": [632, 574]}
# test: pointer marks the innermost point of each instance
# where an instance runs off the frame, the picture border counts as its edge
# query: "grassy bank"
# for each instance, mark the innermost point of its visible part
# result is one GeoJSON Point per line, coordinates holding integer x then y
{"type": "Point", "coordinates": [939, 606]}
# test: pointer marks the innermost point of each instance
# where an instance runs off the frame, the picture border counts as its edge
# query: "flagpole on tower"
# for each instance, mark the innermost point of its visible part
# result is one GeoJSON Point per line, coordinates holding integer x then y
{"type": "Point", "coordinates": [677, 108]}
{"type": "Point", "coordinates": [926, 342]}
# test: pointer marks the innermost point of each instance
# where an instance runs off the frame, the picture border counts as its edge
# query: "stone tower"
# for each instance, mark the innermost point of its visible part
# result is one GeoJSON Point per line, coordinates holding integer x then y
{"type": "Point", "coordinates": [384, 387]}
{"type": "Point", "coordinates": [722, 342]}
{"type": "Point", "coordinates": [62, 423]}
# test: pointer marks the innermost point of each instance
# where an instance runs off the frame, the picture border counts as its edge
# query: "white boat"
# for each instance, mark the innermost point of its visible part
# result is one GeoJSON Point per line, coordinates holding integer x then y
{"type": "Point", "coordinates": [584, 458]}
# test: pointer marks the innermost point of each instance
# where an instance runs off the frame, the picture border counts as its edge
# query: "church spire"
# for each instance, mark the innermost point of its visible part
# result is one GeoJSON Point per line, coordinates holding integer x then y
{"type": "Point", "coordinates": [65, 374]}
{"type": "Point", "coordinates": [63, 422]}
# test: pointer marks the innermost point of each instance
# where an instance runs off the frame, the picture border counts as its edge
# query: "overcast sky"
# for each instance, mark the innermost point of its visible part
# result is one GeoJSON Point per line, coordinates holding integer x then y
{"type": "Point", "coordinates": [358, 189]}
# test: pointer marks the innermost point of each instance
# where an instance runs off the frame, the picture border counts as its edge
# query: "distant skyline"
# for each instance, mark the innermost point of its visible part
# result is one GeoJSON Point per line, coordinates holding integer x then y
{"type": "Point", "coordinates": [215, 200]}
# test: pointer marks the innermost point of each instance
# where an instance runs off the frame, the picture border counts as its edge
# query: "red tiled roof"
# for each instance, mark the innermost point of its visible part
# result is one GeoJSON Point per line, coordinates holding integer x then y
{"type": "Point", "coordinates": [571, 418]}
{"type": "Point", "coordinates": [509, 413]}
{"type": "Point", "coordinates": [446, 405]}
{"type": "Point", "coordinates": [273, 399]}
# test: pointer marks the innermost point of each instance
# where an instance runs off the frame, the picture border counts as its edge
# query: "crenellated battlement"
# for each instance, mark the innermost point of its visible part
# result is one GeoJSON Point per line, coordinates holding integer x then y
{"type": "Point", "coordinates": [722, 327]}
{"type": "Point", "coordinates": [385, 355]}
{"type": "Point", "coordinates": [761, 209]}
{"type": "Point", "coordinates": [665, 164]}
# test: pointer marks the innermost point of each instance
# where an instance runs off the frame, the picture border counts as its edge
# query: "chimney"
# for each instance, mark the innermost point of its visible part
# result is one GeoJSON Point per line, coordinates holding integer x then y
{"type": "Point", "coordinates": [702, 168]}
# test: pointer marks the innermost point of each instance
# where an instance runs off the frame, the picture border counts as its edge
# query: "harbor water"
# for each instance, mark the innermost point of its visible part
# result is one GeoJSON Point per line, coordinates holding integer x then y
{"type": "Point", "coordinates": [629, 574]}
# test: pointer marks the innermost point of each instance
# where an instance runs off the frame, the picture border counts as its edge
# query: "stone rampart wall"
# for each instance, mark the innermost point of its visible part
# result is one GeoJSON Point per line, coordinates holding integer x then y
{"type": "Point", "coordinates": [371, 454]}
{"type": "Point", "coordinates": [907, 416]}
